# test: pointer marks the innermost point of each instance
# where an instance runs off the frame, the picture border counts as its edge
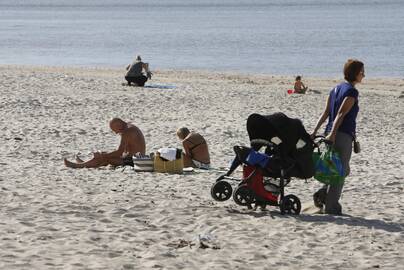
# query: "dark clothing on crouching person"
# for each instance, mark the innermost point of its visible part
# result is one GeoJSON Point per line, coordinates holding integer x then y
{"type": "Point", "coordinates": [135, 75]}
{"type": "Point", "coordinates": [139, 80]}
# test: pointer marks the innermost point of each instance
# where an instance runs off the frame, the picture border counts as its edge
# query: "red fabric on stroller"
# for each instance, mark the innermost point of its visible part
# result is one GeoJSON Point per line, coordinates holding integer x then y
{"type": "Point", "coordinates": [256, 184]}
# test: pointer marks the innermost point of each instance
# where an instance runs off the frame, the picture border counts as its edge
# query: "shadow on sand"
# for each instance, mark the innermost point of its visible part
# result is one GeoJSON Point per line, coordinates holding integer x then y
{"type": "Point", "coordinates": [354, 222]}
{"type": "Point", "coordinates": [339, 220]}
{"type": "Point", "coordinates": [154, 86]}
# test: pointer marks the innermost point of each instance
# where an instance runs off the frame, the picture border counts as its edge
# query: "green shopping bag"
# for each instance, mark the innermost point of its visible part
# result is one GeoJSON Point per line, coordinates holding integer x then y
{"type": "Point", "coordinates": [328, 167]}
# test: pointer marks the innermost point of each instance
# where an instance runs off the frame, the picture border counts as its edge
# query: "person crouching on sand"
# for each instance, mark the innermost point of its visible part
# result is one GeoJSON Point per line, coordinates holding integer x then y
{"type": "Point", "coordinates": [132, 142]}
{"type": "Point", "coordinates": [299, 87]}
{"type": "Point", "coordinates": [195, 148]}
{"type": "Point", "coordinates": [134, 73]}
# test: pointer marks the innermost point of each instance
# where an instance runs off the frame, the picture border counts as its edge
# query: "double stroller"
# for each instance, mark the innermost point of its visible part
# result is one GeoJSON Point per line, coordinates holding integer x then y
{"type": "Point", "coordinates": [280, 149]}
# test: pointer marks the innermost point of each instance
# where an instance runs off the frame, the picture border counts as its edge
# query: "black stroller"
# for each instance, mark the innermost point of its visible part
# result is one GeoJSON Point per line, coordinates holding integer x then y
{"type": "Point", "coordinates": [286, 152]}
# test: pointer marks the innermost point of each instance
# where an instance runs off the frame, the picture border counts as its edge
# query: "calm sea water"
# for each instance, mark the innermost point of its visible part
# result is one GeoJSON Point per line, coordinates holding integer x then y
{"type": "Point", "coordinates": [309, 37]}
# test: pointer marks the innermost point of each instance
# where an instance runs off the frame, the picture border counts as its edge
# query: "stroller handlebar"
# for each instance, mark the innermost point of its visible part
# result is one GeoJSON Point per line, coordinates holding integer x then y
{"type": "Point", "coordinates": [318, 136]}
{"type": "Point", "coordinates": [261, 141]}
{"type": "Point", "coordinates": [321, 140]}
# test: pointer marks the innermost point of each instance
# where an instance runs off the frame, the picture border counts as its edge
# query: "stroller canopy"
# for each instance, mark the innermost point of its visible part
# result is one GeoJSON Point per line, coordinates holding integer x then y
{"type": "Point", "coordinates": [293, 141]}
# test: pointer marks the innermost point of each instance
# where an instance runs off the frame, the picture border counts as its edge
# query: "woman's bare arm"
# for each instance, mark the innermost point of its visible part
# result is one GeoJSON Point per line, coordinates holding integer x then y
{"type": "Point", "coordinates": [323, 117]}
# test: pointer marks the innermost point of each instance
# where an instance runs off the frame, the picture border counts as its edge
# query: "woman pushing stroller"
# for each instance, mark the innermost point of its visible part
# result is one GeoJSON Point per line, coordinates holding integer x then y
{"type": "Point", "coordinates": [341, 110]}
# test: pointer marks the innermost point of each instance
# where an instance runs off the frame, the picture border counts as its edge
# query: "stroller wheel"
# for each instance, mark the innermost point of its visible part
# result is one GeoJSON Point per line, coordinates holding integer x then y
{"type": "Point", "coordinates": [290, 205]}
{"type": "Point", "coordinates": [243, 196]}
{"type": "Point", "coordinates": [221, 191]}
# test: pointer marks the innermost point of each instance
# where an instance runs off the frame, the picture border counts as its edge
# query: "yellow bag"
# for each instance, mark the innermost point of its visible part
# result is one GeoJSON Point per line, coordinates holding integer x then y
{"type": "Point", "coordinates": [164, 166]}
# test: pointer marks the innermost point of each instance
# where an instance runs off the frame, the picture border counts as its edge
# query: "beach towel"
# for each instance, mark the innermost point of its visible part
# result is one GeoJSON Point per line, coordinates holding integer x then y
{"type": "Point", "coordinates": [160, 86]}
{"type": "Point", "coordinates": [168, 153]}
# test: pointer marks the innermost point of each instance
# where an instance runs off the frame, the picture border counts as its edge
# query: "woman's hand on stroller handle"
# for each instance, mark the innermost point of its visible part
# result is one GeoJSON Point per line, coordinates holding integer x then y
{"type": "Point", "coordinates": [330, 139]}
{"type": "Point", "coordinates": [322, 139]}
{"type": "Point", "coordinates": [314, 137]}
{"type": "Point", "coordinates": [319, 139]}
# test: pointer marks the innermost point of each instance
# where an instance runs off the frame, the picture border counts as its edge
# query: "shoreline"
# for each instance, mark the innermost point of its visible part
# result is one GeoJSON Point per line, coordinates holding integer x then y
{"type": "Point", "coordinates": [191, 71]}
{"type": "Point", "coordinates": [383, 85]}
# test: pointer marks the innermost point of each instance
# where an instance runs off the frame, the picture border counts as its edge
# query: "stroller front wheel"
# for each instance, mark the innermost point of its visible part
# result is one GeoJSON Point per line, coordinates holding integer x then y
{"type": "Point", "coordinates": [221, 191]}
{"type": "Point", "coordinates": [290, 205]}
{"type": "Point", "coordinates": [243, 196]}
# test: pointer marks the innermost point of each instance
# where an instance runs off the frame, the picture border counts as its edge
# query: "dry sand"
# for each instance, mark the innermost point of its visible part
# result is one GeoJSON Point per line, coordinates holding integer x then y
{"type": "Point", "coordinates": [53, 217]}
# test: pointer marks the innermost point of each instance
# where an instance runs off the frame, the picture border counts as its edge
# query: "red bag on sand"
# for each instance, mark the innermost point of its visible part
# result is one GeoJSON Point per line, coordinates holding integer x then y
{"type": "Point", "coordinates": [290, 91]}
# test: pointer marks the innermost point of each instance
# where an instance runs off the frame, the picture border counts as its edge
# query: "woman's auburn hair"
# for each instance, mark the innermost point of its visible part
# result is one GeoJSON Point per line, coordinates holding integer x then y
{"type": "Point", "coordinates": [352, 68]}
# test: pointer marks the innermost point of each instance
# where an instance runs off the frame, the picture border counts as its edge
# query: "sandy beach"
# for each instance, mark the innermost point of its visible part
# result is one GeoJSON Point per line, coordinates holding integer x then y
{"type": "Point", "coordinates": [53, 217]}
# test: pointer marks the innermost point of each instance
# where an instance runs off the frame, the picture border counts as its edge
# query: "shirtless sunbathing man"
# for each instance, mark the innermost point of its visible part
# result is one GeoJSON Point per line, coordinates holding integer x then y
{"type": "Point", "coordinates": [132, 142]}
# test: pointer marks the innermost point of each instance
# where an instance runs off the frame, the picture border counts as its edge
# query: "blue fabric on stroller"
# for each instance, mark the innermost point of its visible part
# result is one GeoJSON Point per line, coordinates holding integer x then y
{"type": "Point", "coordinates": [256, 158]}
